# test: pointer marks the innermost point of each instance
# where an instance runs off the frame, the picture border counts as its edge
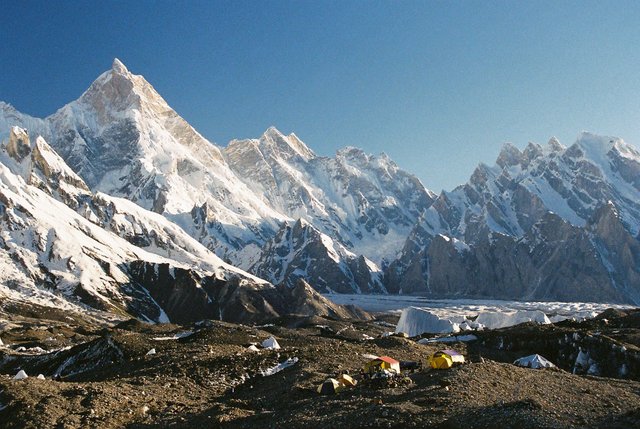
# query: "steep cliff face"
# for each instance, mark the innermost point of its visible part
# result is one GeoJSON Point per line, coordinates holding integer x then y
{"type": "Point", "coordinates": [553, 261]}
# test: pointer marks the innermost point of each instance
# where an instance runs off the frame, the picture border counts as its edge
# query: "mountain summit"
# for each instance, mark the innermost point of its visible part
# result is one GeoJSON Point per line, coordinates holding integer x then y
{"type": "Point", "coordinates": [546, 222]}
{"type": "Point", "coordinates": [123, 139]}
{"type": "Point", "coordinates": [118, 67]}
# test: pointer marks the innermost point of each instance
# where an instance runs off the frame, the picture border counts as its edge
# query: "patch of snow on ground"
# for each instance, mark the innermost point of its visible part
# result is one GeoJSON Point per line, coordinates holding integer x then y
{"type": "Point", "coordinates": [174, 337]}
{"type": "Point", "coordinates": [21, 375]}
{"type": "Point", "coordinates": [279, 367]}
{"type": "Point", "coordinates": [271, 344]}
{"type": "Point", "coordinates": [534, 361]}
{"type": "Point", "coordinates": [449, 339]}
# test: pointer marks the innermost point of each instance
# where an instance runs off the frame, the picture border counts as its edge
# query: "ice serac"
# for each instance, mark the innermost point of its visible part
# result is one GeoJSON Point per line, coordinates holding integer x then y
{"type": "Point", "coordinates": [550, 223]}
{"type": "Point", "coordinates": [415, 321]}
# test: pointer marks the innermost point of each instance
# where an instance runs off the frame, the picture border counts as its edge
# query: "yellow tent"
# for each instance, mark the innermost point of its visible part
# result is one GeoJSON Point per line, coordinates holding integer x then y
{"type": "Point", "coordinates": [381, 363]}
{"type": "Point", "coordinates": [330, 386]}
{"type": "Point", "coordinates": [440, 361]}
{"type": "Point", "coordinates": [346, 380]}
{"type": "Point", "coordinates": [445, 359]}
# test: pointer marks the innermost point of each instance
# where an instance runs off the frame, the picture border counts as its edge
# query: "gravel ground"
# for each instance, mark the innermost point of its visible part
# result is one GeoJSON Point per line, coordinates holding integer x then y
{"type": "Point", "coordinates": [211, 379]}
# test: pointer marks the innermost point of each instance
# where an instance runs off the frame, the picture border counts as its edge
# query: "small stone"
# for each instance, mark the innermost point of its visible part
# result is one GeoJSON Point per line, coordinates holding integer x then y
{"type": "Point", "coordinates": [21, 375]}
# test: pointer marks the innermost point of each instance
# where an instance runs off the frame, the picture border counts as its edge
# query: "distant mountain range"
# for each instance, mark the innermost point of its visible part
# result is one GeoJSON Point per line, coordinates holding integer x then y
{"type": "Point", "coordinates": [116, 203]}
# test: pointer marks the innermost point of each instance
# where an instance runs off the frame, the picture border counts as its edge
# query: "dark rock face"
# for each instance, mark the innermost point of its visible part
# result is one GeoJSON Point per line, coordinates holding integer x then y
{"type": "Point", "coordinates": [186, 297]}
{"type": "Point", "coordinates": [553, 261]}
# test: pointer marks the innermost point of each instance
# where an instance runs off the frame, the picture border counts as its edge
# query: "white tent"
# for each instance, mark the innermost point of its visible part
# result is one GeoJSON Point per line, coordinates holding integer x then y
{"type": "Point", "coordinates": [534, 361]}
{"type": "Point", "coordinates": [271, 343]}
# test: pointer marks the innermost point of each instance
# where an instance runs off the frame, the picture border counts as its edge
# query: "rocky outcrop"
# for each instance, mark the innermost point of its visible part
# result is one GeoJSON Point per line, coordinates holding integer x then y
{"type": "Point", "coordinates": [593, 347]}
{"type": "Point", "coordinates": [187, 297]}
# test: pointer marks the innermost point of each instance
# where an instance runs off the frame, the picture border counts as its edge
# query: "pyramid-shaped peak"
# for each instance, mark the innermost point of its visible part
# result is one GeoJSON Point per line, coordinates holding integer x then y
{"type": "Point", "coordinates": [272, 132]}
{"type": "Point", "coordinates": [119, 67]}
{"type": "Point", "coordinates": [118, 90]}
{"type": "Point", "coordinates": [287, 145]}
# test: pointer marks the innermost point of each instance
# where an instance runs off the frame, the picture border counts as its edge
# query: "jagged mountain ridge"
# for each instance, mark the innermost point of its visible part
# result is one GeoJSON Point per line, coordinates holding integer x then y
{"type": "Point", "coordinates": [241, 201]}
{"type": "Point", "coordinates": [498, 235]}
{"type": "Point", "coordinates": [64, 246]}
{"type": "Point", "coordinates": [123, 140]}
{"type": "Point", "coordinates": [365, 202]}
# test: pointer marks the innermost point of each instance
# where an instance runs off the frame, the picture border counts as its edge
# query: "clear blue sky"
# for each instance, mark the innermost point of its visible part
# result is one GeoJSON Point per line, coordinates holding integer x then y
{"type": "Point", "coordinates": [437, 85]}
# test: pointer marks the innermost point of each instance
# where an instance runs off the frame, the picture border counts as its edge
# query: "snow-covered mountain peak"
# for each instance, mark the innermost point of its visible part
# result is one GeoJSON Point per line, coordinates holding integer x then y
{"type": "Point", "coordinates": [595, 146]}
{"type": "Point", "coordinates": [119, 67]}
{"type": "Point", "coordinates": [532, 151]}
{"type": "Point", "coordinates": [39, 165]}
{"type": "Point", "coordinates": [117, 91]}
{"type": "Point", "coordinates": [286, 146]}
{"type": "Point", "coordinates": [6, 107]}
{"type": "Point", "coordinates": [10, 117]}
{"type": "Point", "coordinates": [358, 158]}
{"type": "Point", "coordinates": [554, 145]}
{"type": "Point", "coordinates": [19, 144]}
{"type": "Point", "coordinates": [509, 156]}
{"type": "Point", "coordinates": [481, 174]}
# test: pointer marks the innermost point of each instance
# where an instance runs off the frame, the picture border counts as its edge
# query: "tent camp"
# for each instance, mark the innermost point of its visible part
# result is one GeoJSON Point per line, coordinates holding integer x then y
{"type": "Point", "coordinates": [534, 361]}
{"type": "Point", "coordinates": [381, 363]}
{"type": "Point", "coordinates": [445, 359]}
